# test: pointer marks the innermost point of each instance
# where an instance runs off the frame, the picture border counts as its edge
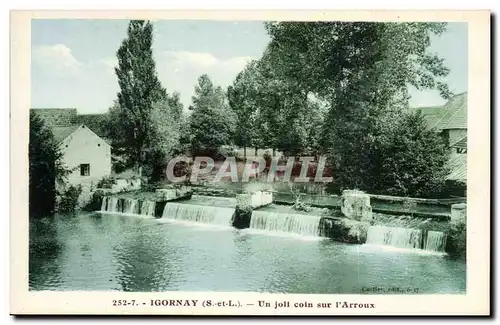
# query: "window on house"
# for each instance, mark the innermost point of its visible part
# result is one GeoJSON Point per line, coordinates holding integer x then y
{"type": "Point", "coordinates": [85, 170]}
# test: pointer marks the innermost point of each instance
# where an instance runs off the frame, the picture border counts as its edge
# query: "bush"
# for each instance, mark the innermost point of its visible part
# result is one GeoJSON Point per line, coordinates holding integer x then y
{"type": "Point", "coordinates": [95, 202]}
{"type": "Point", "coordinates": [68, 201]}
{"type": "Point", "coordinates": [106, 182]}
{"type": "Point", "coordinates": [456, 244]}
{"type": "Point", "coordinates": [45, 168]}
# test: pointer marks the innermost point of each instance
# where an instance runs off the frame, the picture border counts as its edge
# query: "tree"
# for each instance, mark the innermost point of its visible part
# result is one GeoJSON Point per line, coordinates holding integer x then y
{"type": "Point", "coordinates": [362, 70]}
{"type": "Point", "coordinates": [45, 168]}
{"type": "Point", "coordinates": [212, 122]}
{"type": "Point", "coordinates": [412, 158]}
{"type": "Point", "coordinates": [163, 137]}
{"type": "Point", "coordinates": [324, 56]}
{"type": "Point", "coordinates": [268, 109]}
{"type": "Point", "coordinates": [139, 90]}
{"type": "Point", "coordinates": [242, 97]}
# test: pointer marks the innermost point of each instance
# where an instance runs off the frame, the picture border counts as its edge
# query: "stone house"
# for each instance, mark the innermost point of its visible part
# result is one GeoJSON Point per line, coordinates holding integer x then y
{"type": "Point", "coordinates": [85, 153]}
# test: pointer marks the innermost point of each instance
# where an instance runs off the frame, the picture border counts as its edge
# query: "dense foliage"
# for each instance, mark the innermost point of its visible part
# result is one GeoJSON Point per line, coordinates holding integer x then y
{"type": "Point", "coordinates": [45, 168]}
{"type": "Point", "coordinates": [320, 88]}
{"type": "Point", "coordinates": [211, 123]}
{"type": "Point", "coordinates": [144, 122]}
{"type": "Point", "coordinates": [68, 199]}
{"type": "Point", "coordinates": [139, 90]}
{"type": "Point", "coordinates": [359, 74]}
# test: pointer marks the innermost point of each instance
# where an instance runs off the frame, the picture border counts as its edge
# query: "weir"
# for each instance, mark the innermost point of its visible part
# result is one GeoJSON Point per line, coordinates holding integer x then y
{"type": "Point", "coordinates": [409, 238]}
{"type": "Point", "coordinates": [148, 208]}
{"type": "Point", "coordinates": [112, 204]}
{"type": "Point", "coordinates": [220, 216]}
{"type": "Point", "coordinates": [224, 212]}
{"type": "Point", "coordinates": [300, 224]}
{"type": "Point", "coordinates": [131, 206]}
{"type": "Point", "coordinates": [436, 241]}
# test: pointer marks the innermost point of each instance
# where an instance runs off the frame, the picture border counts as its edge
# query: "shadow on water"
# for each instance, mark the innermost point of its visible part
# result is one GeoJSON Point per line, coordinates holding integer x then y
{"type": "Point", "coordinates": [144, 259]}
{"type": "Point", "coordinates": [45, 248]}
{"type": "Point", "coordinates": [124, 253]}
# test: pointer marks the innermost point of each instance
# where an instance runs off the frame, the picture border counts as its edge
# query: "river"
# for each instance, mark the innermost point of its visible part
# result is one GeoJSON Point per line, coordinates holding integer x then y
{"type": "Point", "coordinates": [110, 252]}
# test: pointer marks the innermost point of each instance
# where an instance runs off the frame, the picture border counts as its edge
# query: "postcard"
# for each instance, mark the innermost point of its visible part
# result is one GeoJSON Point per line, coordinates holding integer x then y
{"type": "Point", "coordinates": [250, 163]}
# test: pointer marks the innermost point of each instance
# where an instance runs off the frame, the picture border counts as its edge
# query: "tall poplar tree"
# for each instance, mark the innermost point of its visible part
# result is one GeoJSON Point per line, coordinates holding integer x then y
{"type": "Point", "coordinates": [140, 88]}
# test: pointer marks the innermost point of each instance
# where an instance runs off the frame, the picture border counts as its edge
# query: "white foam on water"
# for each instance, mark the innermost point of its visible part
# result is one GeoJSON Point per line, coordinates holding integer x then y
{"type": "Point", "coordinates": [220, 216]}
{"type": "Point", "coordinates": [142, 216]}
{"type": "Point", "coordinates": [385, 248]}
{"type": "Point", "coordinates": [281, 234]}
{"type": "Point", "coordinates": [279, 223]}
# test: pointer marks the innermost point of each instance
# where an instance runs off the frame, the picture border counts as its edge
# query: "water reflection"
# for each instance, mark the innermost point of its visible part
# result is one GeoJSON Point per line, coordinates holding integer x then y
{"type": "Point", "coordinates": [111, 252]}
{"type": "Point", "coordinates": [44, 250]}
{"type": "Point", "coordinates": [144, 259]}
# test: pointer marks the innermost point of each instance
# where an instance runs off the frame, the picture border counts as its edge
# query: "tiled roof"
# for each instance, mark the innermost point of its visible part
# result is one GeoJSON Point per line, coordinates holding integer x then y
{"type": "Point", "coordinates": [432, 114]}
{"type": "Point", "coordinates": [95, 122]}
{"type": "Point", "coordinates": [63, 121]}
{"type": "Point", "coordinates": [456, 113]}
{"type": "Point", "coordinates": [462, 143]}
{"type": "Point", "coordinates": [55, 117]}
{"type": "Point", "coordinates": [458, 166]}
{"type": "Point", "coordinates": [62, 132]}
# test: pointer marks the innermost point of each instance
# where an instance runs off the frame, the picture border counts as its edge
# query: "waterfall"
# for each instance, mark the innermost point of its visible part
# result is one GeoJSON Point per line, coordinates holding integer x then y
{"type": "Point", "coordinates": [433, 241]}
{"type": "Point", "coordinates": [436, 241]}
{"type": "Point", "coordinates": [300, 224]}
{"type": "Point", "coordinates": [220, 216]}
{"type": "Point", "coordinates": [148, 208]}
{"type": "Point", "coordinates": [130, 206]}
{"type": "Point", "coordinates": [104, 203]}
{"type": "Point", "coordinates": [111, 204]}
{"type": "Point", "coordinates": [394, 236]}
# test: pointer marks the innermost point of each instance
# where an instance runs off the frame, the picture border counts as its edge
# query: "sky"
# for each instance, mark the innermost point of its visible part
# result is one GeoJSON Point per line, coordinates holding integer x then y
{"type": "Point", "coordinates": [72, 61]}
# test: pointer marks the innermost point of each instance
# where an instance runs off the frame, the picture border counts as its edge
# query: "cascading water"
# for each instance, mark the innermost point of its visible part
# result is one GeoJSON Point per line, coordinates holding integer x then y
{"type": "Point", "coordinates": [220, 216]}
{"type": "Point", "coordinates": [394, 236]}
{"type": "Point", "coordinates": [111, 204]}
{"type": "Point", "coordinates": [148, 208]}
{"type": "Point", "coordinates": [300, 224]}
{"type": "Point", "coordinates": [104, 203]}
{"type": "Point", "coordinates": [128, 206]}
{"type": "Point", "coordinates": [436, 241]}
{"type": "Point", "coordinates": [406, 238]}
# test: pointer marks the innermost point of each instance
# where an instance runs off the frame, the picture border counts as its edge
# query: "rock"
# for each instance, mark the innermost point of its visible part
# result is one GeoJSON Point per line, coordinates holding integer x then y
{"type": "Point", "coordinates": [171, 194]}
{"type": "Point", "coordinates": [242, 217]}
{"type": "Point", "coordinates": [344, 230]}
{"type": "Point", "coordinates": [356, 205]}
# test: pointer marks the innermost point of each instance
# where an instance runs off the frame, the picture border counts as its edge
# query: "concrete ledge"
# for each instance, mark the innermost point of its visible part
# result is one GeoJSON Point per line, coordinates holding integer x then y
{"type": "Point", "coordinates": [254, 200]}
{"type": "Point", "coordinates": [173, 194]}
{"type": "Point", "coordinates": [459, 213]}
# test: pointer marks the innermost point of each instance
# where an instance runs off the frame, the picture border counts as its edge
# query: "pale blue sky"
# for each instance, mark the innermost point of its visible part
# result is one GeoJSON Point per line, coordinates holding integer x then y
{"type": "Point", "coordinates": [72, 60]}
